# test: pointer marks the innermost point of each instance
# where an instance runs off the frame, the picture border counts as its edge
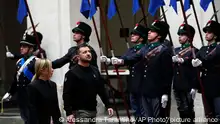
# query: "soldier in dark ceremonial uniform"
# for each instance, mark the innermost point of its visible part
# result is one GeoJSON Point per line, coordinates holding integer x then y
{"type": "Point", "coordinates": [15, 56]}
{"type": "Point", "coordinates": [185, 80]}
{"type": "Point", "coordinates": [81, 34]}
{"type": "Point", "coordinates": [139, 38]}
{"type": "Point", "coordinates": [24, 73]}
{"type": "Point", "coordinates": [157, 75]}
{"type": "Point", "coordinates": [208, 60]}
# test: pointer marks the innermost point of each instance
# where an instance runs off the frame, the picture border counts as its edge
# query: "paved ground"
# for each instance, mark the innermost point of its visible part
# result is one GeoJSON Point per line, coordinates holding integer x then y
{"type": "Point", "coordinates": [10, 119]}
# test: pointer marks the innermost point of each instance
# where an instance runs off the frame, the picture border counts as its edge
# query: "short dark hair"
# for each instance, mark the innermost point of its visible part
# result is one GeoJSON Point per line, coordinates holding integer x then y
{"type": "Point", "coordinates": [80, 46]}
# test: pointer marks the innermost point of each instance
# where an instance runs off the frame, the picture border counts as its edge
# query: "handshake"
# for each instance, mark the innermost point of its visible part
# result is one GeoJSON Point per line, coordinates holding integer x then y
{"type": "Point", "coordinates": [113, 60]}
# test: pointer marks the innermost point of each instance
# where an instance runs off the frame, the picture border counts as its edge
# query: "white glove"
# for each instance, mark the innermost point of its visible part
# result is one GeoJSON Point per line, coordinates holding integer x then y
{"type": "Point", "coordinates": [193, 93]}
{"type": "Point", "coordinates": [7, 97]}
{"type": "Point", "coordinates": [180, 60]}
{"type": "Point", "coordinates": [9, 55]}
{"type": "Point", "coordinates": [196, 62]}
{"type": "Point", "coordinates": [116, 61]}
{"type": "Point", "coordinates": [164, 100]}
{"type": "Point", "coordinates": [175, 58]}
{"type": "Point", "coordinates": [105, 59]}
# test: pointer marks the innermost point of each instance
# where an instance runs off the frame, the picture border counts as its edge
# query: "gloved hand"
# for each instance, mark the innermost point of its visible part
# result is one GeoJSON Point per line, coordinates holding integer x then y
{"type": "Point", "coordinates": [7, 97]}
{"type": "Point", "coordinates": [193, 93]}
{"type": "Point", "coordinates": [105, 59]}
{"type": "Point", "coordinates": [175, 58]}
{"type": "Point", "coordinates": [180, 60]}
{"type": "Point", "coordinates": [116, 61]}
{"type": "Point", "coordinates": [9, 55]}
{"type": "Point", "coordinates": [164, 100]}
{"type": "Point", "coordinates": [196, 62]}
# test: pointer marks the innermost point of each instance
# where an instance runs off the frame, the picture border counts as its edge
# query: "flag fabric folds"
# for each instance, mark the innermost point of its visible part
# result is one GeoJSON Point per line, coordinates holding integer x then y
{"type": "Point", "coordinates": [173, 4]}
{"type": "Point", "coordinates": [85, 8]}
{"type": "Point", "coordinates": [22, 11]}
{"type": "Point", "coordinates": [135, 6]}
{"type": "Point", "coordinates": [112, 9]}
{"type": "Point", "coordinates": [186, 5]}
{"type": "Point", "coordinates": [205, 3]}
{"type": "Point", "coordinates": [93, 8]}
{"type": "Point", "coordinates": [154, 5]}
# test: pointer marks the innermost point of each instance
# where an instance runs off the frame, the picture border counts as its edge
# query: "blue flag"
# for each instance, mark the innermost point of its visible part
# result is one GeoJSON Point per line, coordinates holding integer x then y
{"type": "Point", "coordinates": [205, 3]}
{"type": "Point", "coordinates": [186, 5]}
{"type": "Point", "coordinates": [85, 8]}
{"type": "Point", "coordinates": [112, 9]}
{"type": "Point", "coordinates": [135, 6]}
{"type": "Point", "coordinates": [154, 5]}
{"type": "Point", "coordinates": [173, 4]}
{"type": "Point", "coordinates": [22, 11]}
{"type": "Point", "coordinates": [93, 8]}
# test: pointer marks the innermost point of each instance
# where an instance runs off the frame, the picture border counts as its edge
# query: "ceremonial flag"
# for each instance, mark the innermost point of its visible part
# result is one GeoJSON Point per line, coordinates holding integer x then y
{"type": "Point", "coordinates": [205, 3]}
{"type": "Point", "coordinates": [93, 8]}
{"type": "Point", "coordinates": [186, 5]}
{"type": "Point", "coordinates": [22, 11]}
{"type": "Point", "coordinates": [135, 6]}
{"type": "Point", "coordinates": [112, 9]}
{"type": "Point", "coordinates": [85, 8]}
{"type": "Point", "coordinates": [173, 4]}
{"type": "Point", "coordinates": [154, 5]}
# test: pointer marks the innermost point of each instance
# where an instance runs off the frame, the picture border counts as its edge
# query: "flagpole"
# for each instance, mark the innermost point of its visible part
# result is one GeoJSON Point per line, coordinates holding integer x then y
{"type": "Point", "coordinates": [122, 25]}
{"type": "Point", "coordinates": [143, 13]}
{"type": "Point", "coordinates": [214, 9]}
{"type": "Point", "coordinates": [32, 23]}
{"type": "Point", "coordinates": [115, 66]}
{"type": "Point", "coordinates": [197, 22]}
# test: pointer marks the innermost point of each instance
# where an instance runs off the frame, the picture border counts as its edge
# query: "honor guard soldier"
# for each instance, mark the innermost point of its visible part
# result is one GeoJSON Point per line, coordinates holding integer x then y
{"type": "Point", "coordinates": [139, 38]}
{"type": "Point", "coordinates": [157, 74]}
{"type": "Point", "coordinates": [208, 60]}
{"type": "Point", "coordinates": [185, 80]}
{"type": "Point", "coordinates": [37, 53]}
{"type": "Point", "coordinates": [24, 73]}
{"type": "Point", "coordinates": [81, 34]}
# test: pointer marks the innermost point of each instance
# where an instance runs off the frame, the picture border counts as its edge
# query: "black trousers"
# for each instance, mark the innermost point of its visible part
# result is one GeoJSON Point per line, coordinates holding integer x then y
{"type": "Point", "coordinates": [185, 106]}
{"type": "Point", "coordinates": [152, 108]}
{"type": "Point", "coordinates": [22, 100]}
{"type": "Point", "coordinates": [213, 105]}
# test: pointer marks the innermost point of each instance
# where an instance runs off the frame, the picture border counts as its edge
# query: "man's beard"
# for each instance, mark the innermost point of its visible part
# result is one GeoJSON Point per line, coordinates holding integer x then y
{"type": "Point", "coordinates": [85, 60]}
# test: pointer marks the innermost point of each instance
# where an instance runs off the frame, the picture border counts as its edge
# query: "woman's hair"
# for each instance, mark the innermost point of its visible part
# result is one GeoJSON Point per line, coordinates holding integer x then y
{"type": "Point", "coordinates": [41, 64]}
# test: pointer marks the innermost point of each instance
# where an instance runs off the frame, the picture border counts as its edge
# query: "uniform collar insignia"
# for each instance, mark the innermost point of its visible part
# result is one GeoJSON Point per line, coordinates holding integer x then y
{"type": "Point", "coordinates": [186, 45]}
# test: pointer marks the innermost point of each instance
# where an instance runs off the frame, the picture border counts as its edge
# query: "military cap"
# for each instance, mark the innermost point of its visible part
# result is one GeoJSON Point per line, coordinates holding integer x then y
{"type": "Point", "coordinates": [28, 40]}
{"type": "Point", "coordinates": [83, 28]}
{"type": "Point", "coordinates": [39, 35]}
{"type": "Point", "coordinates": [161, 27]}
{"type": "Point", "coordinates": [214, 27]}
{"type": "Point", "coordinates": [183, 29]}
{"type": "Point", "coordinates": [140, 30]}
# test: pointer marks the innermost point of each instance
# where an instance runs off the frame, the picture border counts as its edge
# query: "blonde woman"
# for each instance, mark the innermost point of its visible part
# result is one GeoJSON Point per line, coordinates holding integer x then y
{"type": "Point", "coordinates": [43, 100]}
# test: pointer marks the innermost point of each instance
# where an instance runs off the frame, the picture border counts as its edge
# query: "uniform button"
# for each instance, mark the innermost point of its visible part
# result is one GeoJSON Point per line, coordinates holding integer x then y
{"type": "Point", "coordinates": [133, 67]}
{"type": "Point", "coordinates": [146, 66]}
{"type": "Point", "coordinates": [206, 70]}
{"type": "Point", "coordinates": [17, 84]}
{"type": "Point", "coordinates": [145, 70]}
{"type": "Point", "coordinates": [204, 74]}
{"type": "Point", "coordinates": [144, 75]}
{"type": "Point", "coordinates": [132, 75]}
{"type": "Point", "coordinates": [208, 47]}
{"type": "Point", "coordinates": [177, 73]}
{"type": "Point", "coordinates": [132, 70]}
{"type": "Point", "coordinates": [207, 51]}
{"type": "Point", "coordinates": [23, 85]}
